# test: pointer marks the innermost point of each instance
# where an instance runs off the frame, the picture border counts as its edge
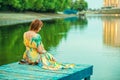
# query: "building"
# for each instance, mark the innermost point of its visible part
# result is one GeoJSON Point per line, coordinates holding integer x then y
{"type": "Point", "coordinates": [112, 3]}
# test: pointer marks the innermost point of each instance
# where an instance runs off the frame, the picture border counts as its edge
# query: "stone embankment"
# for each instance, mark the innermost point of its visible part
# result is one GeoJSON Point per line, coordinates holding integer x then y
{"type": "Point", "coordinates": [9, 18]}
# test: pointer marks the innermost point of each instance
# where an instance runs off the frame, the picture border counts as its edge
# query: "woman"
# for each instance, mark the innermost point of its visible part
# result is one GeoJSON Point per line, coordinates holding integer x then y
{"type": "Point", "coordinates": [35, 52]}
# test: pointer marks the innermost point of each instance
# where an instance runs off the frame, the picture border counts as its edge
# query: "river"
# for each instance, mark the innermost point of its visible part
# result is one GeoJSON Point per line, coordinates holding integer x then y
{"type": "Point", "coordinates": [94, 39]}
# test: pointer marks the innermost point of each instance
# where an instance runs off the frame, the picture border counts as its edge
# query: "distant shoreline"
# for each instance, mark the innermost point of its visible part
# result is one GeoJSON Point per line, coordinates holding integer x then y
{"type": "Point", "coordinates": [11, 18]}
{"type": "Point", "coordinates": [110, 11]}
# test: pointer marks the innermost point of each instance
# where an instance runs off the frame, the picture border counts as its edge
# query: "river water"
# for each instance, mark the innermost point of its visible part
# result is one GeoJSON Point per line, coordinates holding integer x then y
{"type": "Point", "coordinates": [94, 39]}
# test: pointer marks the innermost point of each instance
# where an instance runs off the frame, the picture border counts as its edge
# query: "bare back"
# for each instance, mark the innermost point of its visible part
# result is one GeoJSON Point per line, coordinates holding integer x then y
{"type": "Point", "coordinates": [29, 34]}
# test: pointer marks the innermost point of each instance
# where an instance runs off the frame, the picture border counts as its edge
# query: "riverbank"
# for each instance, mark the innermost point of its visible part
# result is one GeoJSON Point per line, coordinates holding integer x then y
{"type": "Point", "coordinates": [17, 18]}
{"type": "Point", "coordinates": [110, 11]}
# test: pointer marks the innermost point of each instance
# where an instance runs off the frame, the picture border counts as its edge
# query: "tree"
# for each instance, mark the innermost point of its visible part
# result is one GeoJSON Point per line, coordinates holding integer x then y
{"type": "Point", "coordinates": [36, 5]}
{"type": "Point", "coordinates": [80, 5]}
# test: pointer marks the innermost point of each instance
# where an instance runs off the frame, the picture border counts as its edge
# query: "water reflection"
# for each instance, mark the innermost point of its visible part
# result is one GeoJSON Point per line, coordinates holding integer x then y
{"type": "Point", "coordinates": [77, 23]}
{"type": "Point", "coordinates": [80, 41]}
{"type": "Point", "coordinates": [111, 27]}
{"type": "Point", "coordinates": [51, 32]}
{"type": "Point", "coordinates": [11, 45]}
{"type": "Point", "coordinates": [11, 37]}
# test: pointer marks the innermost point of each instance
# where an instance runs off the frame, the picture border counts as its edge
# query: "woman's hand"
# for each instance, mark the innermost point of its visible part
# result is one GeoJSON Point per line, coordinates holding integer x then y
{"type": "Point", "coordinates": [41, 49]}
{"type": "Point", "coordinates": [44, 51]}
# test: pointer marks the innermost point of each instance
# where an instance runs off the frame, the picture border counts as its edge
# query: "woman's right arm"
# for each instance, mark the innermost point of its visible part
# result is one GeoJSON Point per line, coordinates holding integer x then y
{"type": "Point", "coordinates": [41, 49]}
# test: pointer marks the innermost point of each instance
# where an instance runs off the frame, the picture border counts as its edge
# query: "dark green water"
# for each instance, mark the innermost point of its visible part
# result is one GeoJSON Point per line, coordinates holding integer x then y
{"type": "Point", "coordinates": [92, 40]}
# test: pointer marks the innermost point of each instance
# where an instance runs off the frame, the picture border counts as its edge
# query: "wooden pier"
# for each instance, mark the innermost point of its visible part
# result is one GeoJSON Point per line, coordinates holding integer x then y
{"type": "Point", "coordinates": [15, 71]}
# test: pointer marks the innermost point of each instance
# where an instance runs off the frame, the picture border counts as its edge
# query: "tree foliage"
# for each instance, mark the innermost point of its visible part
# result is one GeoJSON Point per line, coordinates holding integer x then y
{"type": "Point", "coordinates": [41, 5]}
{"type": "Point", "coordinates": [80, 5]}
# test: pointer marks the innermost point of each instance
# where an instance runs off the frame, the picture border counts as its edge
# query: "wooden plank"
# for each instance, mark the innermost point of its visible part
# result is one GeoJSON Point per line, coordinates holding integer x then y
{"type": "Point", "coordinates": [19, 71]}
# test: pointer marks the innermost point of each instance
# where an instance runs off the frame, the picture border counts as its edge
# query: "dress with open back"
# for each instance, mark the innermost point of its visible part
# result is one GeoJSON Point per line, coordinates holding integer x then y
{"type": "Point", "coordinates": [45, 60]}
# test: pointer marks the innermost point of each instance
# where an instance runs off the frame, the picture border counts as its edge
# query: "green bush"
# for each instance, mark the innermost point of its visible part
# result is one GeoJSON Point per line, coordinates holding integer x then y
{"type": "Point", "coordinates": [41, 5]}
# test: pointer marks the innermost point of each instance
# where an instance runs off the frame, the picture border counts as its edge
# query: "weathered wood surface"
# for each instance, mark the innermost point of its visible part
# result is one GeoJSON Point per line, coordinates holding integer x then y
{"type": "Point", "coordinates": [20, 72]}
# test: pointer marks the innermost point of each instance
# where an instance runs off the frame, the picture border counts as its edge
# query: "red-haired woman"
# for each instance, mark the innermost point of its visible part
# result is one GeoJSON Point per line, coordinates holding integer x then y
{"type": "Point", "coordinates": [35, 52]}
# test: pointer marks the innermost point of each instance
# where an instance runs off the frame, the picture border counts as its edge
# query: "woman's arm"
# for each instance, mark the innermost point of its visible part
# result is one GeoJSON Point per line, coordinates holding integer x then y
{"type": "Point", "coordinates": [41, 49]}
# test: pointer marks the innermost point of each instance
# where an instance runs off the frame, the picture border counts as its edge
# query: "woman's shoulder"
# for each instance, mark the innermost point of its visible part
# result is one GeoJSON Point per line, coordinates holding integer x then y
{"type": "Point", "coordinates": [37, 36]}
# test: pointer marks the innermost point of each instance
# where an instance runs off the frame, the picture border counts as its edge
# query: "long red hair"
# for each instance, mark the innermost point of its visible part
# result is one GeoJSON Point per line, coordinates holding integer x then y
{"type": "Point", "coordinates": [36, 24]}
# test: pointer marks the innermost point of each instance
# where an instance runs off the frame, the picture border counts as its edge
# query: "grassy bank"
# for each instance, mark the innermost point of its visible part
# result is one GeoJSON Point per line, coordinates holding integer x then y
{"type": "Point", "coordinates": [10, 18]}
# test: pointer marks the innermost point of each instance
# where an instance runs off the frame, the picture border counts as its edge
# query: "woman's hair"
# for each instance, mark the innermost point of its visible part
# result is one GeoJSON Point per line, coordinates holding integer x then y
{"type": "Point", "coordinates": [35, 25]}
